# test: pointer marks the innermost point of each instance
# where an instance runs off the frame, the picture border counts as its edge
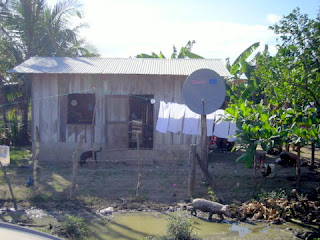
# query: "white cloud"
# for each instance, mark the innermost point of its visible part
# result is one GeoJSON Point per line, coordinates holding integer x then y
{"type": "Point", "coordinates": [272, 18]}
{"type": "Point", "coordinates": [123, 31]}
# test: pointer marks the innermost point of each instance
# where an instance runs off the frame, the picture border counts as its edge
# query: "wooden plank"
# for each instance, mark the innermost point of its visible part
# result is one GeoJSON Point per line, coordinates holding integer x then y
{"type": "Point", "coordinates": [99, 111]}
{"type": "Point", "coordinates": [117, 111]}
{"type": "Point", "coordinates": [63, 89]}
{"type": "Point", "coordinates": [55, 110]}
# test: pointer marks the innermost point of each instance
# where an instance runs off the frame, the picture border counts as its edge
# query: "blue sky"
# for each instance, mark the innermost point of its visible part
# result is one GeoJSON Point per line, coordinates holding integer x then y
{"type": "Point", "coordinates": [221, 29]}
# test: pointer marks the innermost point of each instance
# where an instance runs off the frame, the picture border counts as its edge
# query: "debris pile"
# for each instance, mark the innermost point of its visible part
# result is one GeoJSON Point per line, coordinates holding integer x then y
{"type": "Point", "coordinates": [282, 210]}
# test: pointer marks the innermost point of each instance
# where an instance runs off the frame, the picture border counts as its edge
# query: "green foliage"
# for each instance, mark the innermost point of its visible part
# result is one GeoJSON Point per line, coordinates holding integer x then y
{"type": "Point", "coordinates": [276, 194]}
{"type": "Point", "coordinates": [240, 65]}
{"type": "Point", "coordinates": [185, 52]}
{"type": "Point", "coordinates": [280, 102]}
{"type": "Point", "coordinates": [212, 196]}
{"type": "Point", "coordinates": [75, 228]}
{"type": "Point", "coordinates": [19, 156]}
{"type": "Point", "coordinates": [30, 28]}
{"type": "Point", "coordinates": [180, 227]}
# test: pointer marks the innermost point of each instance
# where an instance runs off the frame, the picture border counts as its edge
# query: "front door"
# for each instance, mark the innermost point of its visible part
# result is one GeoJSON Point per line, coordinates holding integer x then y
{"type": "Point", "coordinates": [141, 121]}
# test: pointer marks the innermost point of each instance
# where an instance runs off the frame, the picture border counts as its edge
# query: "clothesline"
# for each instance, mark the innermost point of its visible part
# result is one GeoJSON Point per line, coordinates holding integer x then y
{"type": "Point", "coordinates": [174, 117]}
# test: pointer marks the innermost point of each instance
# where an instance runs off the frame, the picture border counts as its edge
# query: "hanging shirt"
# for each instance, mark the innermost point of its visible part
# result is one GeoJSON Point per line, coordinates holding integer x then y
{"type": "Point", "coordinates": [191, 124]}
{"type": "Point", "coordinates": [176, 116]}
{"type": "Point", "coordinates": [163, 117]}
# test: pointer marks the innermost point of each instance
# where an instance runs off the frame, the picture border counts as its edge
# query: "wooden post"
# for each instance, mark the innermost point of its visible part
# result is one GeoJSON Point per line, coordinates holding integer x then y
{"type": "Point", "coordinates": [9, 185]}
{"type": "Point", "coordinates": [298, 170]}
{"type": "Point", "coordinates": [35, 160]}
{"type": "Point", "coordinates": [209, 179]}
{"type": "Point", "coordinates": [75, 158]}
{"type": "Point", "coordinates": [204, 142]}
{"type": "Point", "coordinates": [313, 149]}
{"type": "Point", "coordinates": [139, 166]}
{"type": "Point", "coordinates": [192, 170]}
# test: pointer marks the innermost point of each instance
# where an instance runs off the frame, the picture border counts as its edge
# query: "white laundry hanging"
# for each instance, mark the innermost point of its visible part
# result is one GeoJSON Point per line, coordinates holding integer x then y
{"type": "Point", "coordinates": [5, 155]}
{"type": "Point", "coordinates": [177, 112]}
{"type": "Point", "coordinates": [163, 117]}
{"type": "Point", "coordinates": [210, 122]}
{"type": "Point", "coordinates": [232, 132]}
{"type": "Point", "coordinates": [191, 124]}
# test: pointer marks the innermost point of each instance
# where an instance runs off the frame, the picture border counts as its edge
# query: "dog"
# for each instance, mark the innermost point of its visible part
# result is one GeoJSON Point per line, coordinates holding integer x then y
{"type": "Point", "coordinates": [87, 155]}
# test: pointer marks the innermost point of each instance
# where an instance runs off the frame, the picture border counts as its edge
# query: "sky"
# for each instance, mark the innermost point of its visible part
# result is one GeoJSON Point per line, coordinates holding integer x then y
{"type": "Point", "coordinates": [221, 29]}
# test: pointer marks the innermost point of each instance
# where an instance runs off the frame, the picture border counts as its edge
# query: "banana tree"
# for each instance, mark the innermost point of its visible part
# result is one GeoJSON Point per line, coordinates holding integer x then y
{"type": "Point", "coordinates": [185, 52]}
{"type": "Point", "coordinates": [241, 65]}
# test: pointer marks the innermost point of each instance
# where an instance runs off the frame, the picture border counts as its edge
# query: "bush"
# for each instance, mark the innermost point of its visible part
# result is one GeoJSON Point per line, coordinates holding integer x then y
{"type": "Point", "coordinates": [212, 196]}
{"type": "Point", "coordinates": [75, 228]}
{"type": "Point", "coordinates": [180, 227]}
{"type": "Point", "coordinates": [276, 194]}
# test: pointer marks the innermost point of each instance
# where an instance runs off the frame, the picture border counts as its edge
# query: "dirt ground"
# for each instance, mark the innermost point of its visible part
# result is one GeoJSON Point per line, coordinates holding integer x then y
{"type": "Point", "coordinates": [114, 183]}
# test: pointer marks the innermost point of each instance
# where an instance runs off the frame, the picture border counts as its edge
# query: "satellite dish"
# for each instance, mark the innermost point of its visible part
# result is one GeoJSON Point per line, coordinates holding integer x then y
{"type": "Point", "coordinates": [204, 91]}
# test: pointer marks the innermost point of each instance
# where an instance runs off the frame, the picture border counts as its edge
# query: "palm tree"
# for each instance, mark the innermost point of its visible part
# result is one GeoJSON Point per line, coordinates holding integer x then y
{"type": "Point", "coordinates": [30, 28]}
{"type": "Point", "coordinates": [185, 52]}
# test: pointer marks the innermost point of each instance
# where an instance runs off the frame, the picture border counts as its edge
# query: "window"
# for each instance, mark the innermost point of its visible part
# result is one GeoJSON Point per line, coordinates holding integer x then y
{"type": "Point", "coordinates": [81, 108]}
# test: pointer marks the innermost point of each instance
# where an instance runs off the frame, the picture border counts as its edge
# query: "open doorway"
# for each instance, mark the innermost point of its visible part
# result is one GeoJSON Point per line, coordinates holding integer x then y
{"type": "Point", "coordinates": [141, 121]}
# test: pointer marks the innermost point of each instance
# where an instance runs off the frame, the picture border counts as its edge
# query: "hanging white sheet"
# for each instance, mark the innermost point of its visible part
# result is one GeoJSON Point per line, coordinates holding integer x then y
{"type": "Point", "coordinates": [232, 132]}
{"type": "Point", "coordinates": [210, 122]}
{"type": "Point", "coordinates": [163, 117]}
{"type": "Point", "coordinates": [191, 124]}
{"type": "Point", "coordinates": [177, 112]}
{"type": "Point", "coordinates": [5, 155]}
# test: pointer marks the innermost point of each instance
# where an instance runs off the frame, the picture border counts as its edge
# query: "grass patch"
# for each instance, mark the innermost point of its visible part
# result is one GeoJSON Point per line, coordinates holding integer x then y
{"type": "Point", "coordinates": [20, 155]}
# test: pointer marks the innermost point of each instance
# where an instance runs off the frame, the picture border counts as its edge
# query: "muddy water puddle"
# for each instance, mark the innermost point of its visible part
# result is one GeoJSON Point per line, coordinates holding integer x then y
{"type": "Point", "coordinates": [140, 225]}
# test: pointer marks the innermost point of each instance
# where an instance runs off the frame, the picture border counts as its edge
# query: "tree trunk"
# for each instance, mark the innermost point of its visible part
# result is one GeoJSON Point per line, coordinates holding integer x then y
{"type": "Point", "coordinates": [298, 170]}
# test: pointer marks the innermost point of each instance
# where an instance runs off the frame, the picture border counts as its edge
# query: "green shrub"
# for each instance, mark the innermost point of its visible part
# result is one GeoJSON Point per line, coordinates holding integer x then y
{"type": "Point", "coordinates": [180, 227]}
{"type": "Point", "coordinates": [278, 193]}
{"type": "Point", "coordinates": [75, 228]}
{"type": "Point", "coordinates": [212, 196]}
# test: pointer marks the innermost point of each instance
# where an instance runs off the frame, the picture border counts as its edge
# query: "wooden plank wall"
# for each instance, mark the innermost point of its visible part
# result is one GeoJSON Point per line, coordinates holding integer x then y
{"type": "Point", "coordinates": [50, 105]}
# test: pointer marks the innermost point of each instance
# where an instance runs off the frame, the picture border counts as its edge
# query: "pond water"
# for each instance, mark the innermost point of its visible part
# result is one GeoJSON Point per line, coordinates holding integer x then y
{"type": "Point", "coordinates": [140, 225]}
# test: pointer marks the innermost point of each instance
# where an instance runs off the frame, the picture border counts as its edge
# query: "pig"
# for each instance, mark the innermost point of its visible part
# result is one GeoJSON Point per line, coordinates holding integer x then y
{"type": "Point", "coordinates": [210, 207]}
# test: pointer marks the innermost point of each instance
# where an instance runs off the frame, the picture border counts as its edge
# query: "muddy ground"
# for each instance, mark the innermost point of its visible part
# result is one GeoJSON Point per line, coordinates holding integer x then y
{"type": "Point", "coordinates": [114, 183]}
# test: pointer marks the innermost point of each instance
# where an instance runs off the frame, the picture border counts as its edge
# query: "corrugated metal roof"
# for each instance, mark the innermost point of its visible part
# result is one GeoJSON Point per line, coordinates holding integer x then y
{"type": "Point", "coordinates": [144, 66]}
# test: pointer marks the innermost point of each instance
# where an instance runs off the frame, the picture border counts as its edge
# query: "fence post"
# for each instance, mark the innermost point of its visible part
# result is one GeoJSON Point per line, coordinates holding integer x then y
{"type": "Point", "coordinates": [75, 156]}
{"type": "Point", "coordinates": [192, 170]}
{"type": "Point", "coordinates": [35, 161]}
{"type": "Point", "coordinates": [9, 185]}
{"type": "Point", "coordinates": [139, 166]}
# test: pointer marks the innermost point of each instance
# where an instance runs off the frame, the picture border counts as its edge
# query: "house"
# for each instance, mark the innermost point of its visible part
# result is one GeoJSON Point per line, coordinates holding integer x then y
{"type": "Point", "coordinates": [105, 100]}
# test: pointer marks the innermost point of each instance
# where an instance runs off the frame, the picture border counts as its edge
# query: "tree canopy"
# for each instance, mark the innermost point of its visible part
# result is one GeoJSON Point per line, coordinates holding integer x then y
{"type": "Point", "coordinates": [280, 102]}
